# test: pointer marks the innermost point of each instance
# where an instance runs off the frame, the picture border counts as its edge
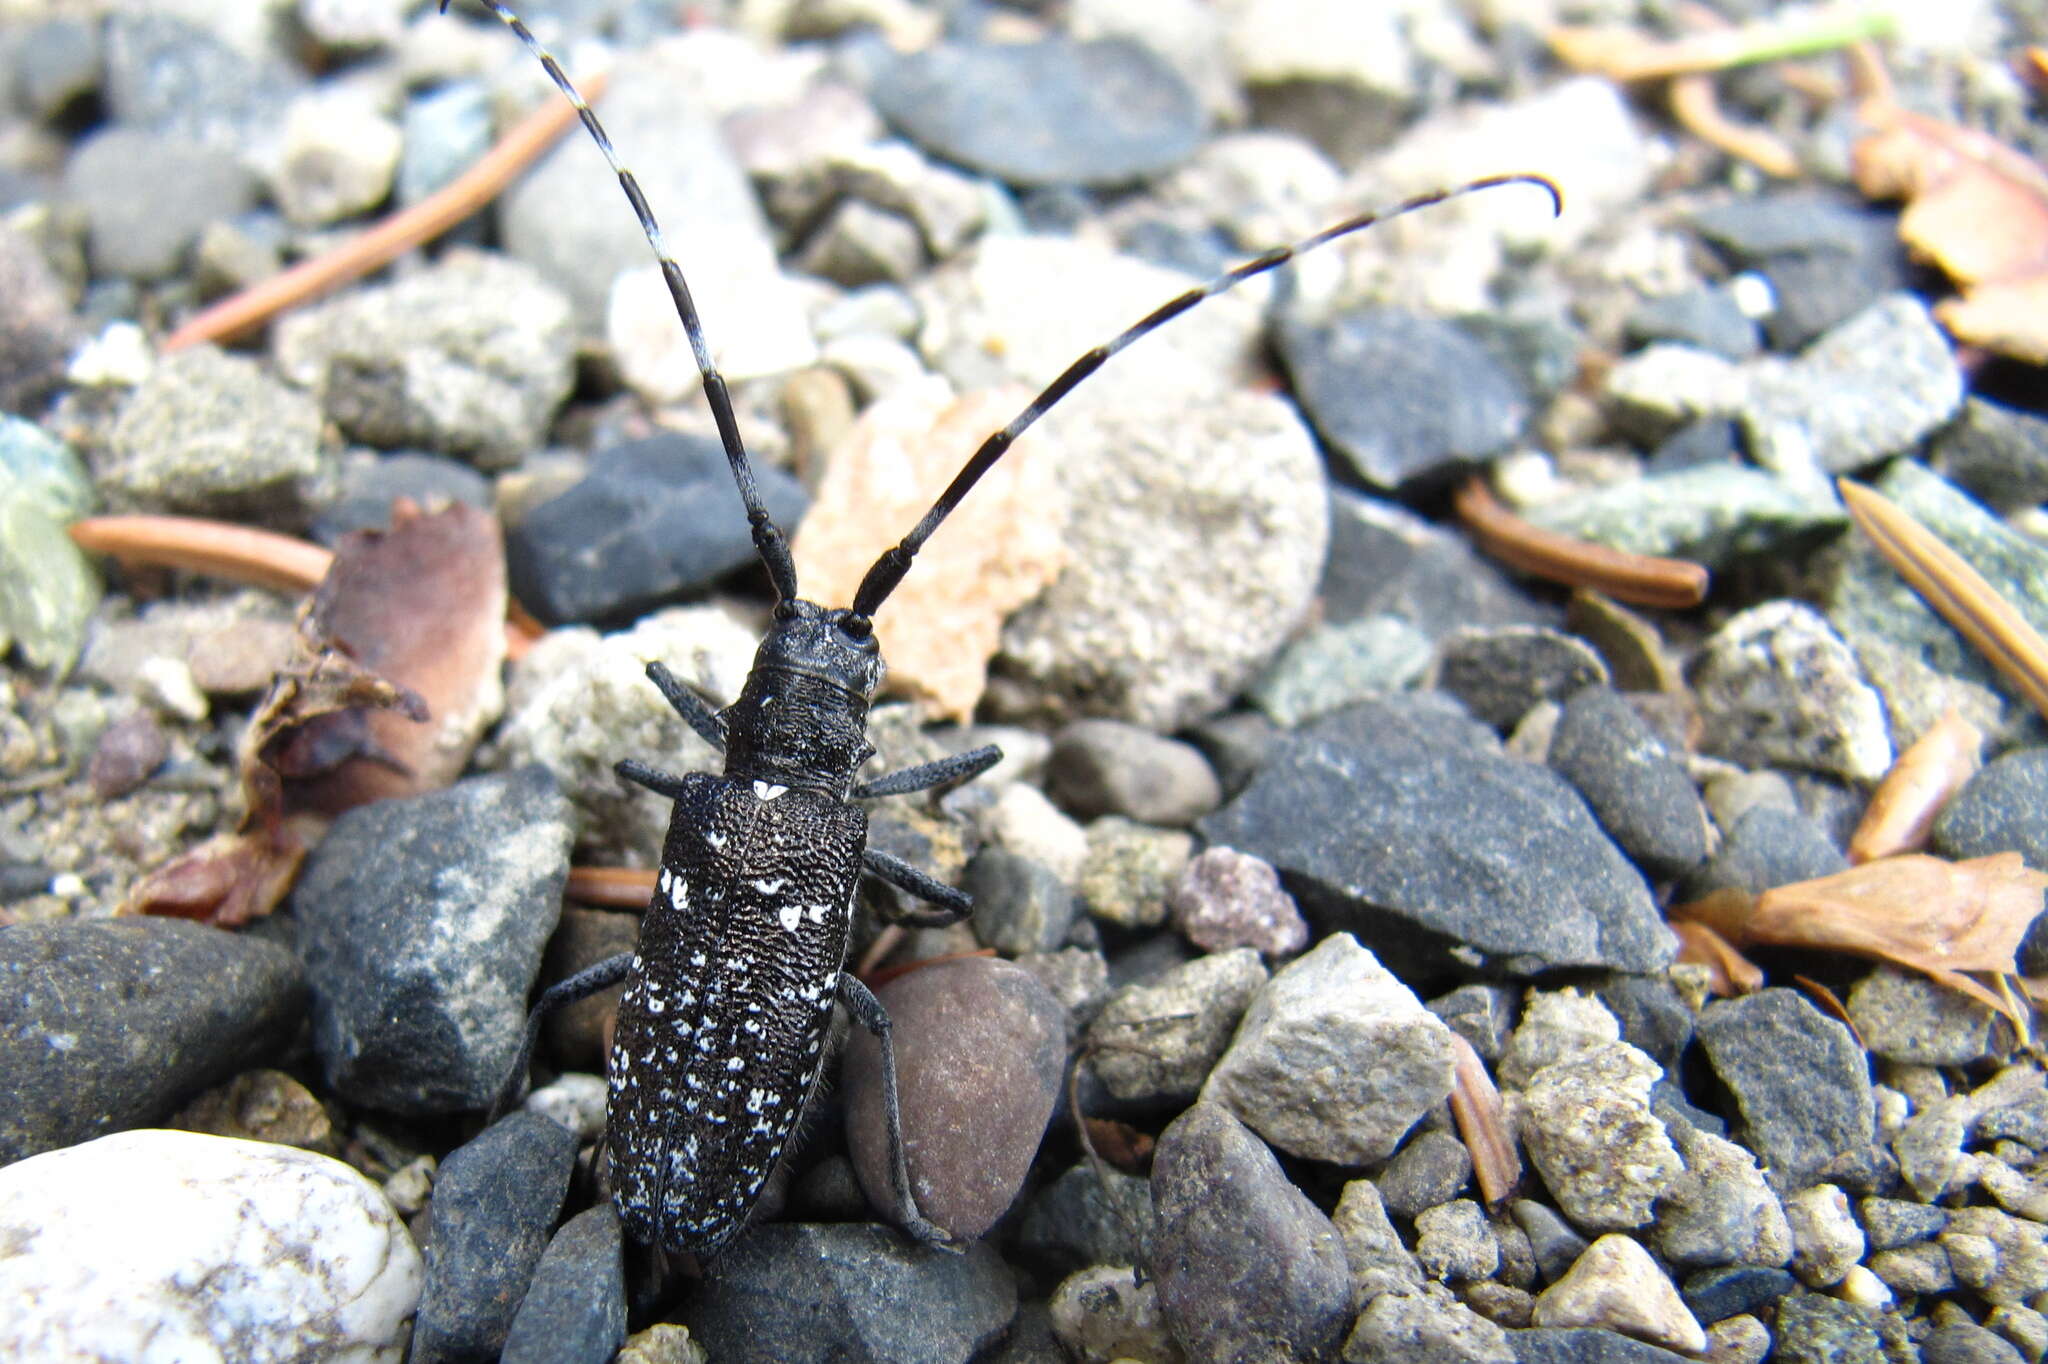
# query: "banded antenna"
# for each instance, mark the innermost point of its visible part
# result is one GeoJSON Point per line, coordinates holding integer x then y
{"type": "Point", "coordinates": [888, 570]}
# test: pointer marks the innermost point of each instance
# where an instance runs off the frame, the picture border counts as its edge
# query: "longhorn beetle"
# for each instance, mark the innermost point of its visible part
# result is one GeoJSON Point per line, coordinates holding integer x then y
{"type": "Point", "coordinates": [722, 1028]}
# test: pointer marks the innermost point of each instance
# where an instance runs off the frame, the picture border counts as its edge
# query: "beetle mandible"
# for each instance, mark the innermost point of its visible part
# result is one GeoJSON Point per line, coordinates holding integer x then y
{"type": "Point", "coordinates": [722, 1027]}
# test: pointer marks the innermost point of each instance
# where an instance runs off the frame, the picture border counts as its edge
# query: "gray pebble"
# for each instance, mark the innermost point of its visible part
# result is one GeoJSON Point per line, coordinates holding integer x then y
{"type": "Point", "coordinates": [1246, 1265]}
{"type": "Point", "coordinates": [1430, 1169]}
{"type": "Point", "coordinates": [422, 923]}
{"type": "Point", "coordinates": [470, 357]}
{"type": "Point", "coordinates": [1100, 767]}
{"type": "Point", "coordinates": [1158, 1039]}
{"type": "Point", "coordinates": [1335, 1059]}
{"type": "Point", "coordinates": [495, 1201]}
{"type": "Point", "coordinates": [1962, 1342]}
{"type": "Point", "coordinates": [1500, 673]}
{"type": "Point", "coordinates": [1403, 397]}
{"type": "Point", "coordinates": [112, 1024]}
{"type": "Point", "coordinates": [1802, 1084]}
{"type": "Point", "coordinates": [1020, 906]}
{"type": "Point", "coordinates": [1454, 1243]}
{"type": "Point", "coordinates": [213, 434]}
{"type": "Point", "coordinates": [812, 1294]}
{"type": "Point", "coordinates": [575, 1310]}
{"type": "Point", "coordinates": [1638, 792]}
{"type": "Point", "coordinates": [147, 195]}
{"type": "Point", "coordinates": [1047, 113]}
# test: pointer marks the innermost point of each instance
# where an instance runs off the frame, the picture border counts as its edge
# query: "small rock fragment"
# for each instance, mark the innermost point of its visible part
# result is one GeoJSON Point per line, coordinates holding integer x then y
{"type": "Point", "coordinates": [1335, 1059]}
{"type": "Point", "coordinates": [1825, 1238]}
{"type": "Point", "coordinates": [1246, 1265]}
{"type": "Point", "coordinates": [1224, 898]}
{"type": "Point", "coordinates": [1159, 1039]}
{"type": "Point", "coordinates": [1617, 1286]}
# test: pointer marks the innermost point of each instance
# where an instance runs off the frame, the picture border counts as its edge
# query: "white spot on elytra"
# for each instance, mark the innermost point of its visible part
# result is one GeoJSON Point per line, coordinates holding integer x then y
{"type": "Point", "coordinates": [791, 916]}
{"type": "Point", "coordinates": [768, 790]}
{"type": "Point", "coordinates": [818, 913]}
{"type": "Point", "coordinates": [715, 839]}
{"type": "Point", "coordinates": [769, 885]}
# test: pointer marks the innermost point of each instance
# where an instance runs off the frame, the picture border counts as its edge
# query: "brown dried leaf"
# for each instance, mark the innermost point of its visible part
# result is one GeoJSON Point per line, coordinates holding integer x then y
{"type": "Point", "coordinates": [1953, 590]}
{"type": "Point", "coordinates": [1976, 207]}
{"type": "Point", "coordinates": [1941, 918]}
{"type": "Point", "coordinates": [396, 676]}
{"type": "Point", "coordinates": [1729, 972]}
{"type": "Point", "coordinates": [422, 604]}
{"type": "Point", "coordinates": [1915, 910]}
{"type": "Point", "coordinates": [998, 551]}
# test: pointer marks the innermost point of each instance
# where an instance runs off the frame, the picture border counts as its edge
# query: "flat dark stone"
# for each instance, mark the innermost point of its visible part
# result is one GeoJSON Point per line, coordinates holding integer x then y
{"type": "Point", "coordinates": [1425, 721]}
{"type": "Point", "coordinates": [652, 520]}
{"type": "Point", "coordinates": [1056, 112]}
{"type": "Point", "coordinates": [495, 1201]}
{"type": "Point", "coordinates": [1813, 1328]}
{"type": "Point", "coordinates": [108, 1024]}
{"type": "Point", "coordinates": [1705, 319]}
{"type": "Point", "coordinates": [1803, 1085]}
{"type": "Point", "coordinates": [2003, 808]}
{"type": "Point", "coordinates": [1654, 1016]}
{"type": "Point", "coordinates": [1247, 1267]}
{"type": "Point", "coordinates": [1999, 455]}
{"type": "Point", "coordinates": [1768, 847]}
{"type": "Point", "coordinates": [849, 1293]}
{"type": "Point", "coordinates": [1714, 1295]}
{"type": "Point", "coordinates": [1405, 399]}
{"type": "Point", "coordinates": [1425, 853]}
{"type": "Point", "coordinates": [1502, 672]}
{"type": "Point", "coordinates": [575, 1307]}
{"type": "Point", "coordinates": [1638, 792]}
{"type": "Point", "coordinates": [1585, 1345]}
{"type": "Point", "coordinates": [1826, 259]}
{"type": "Point", "coordinates": [1707, 441]}
{"type": "Point", "coordinates": [1385, 560]}
{"type": "Point", "coordinates": [422, 923]}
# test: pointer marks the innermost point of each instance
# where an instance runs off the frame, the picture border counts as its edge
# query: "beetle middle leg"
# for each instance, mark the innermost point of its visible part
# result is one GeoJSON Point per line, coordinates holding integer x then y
{"type": "Point", "coordinates": [950, 905]}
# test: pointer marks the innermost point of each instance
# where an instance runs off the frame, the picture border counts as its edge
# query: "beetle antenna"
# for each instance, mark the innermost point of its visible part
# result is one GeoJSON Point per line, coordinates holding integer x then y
{"type": "Point", "coordinates": [888, 570]}
{"type": "Point", "coordinates": [769, 541]}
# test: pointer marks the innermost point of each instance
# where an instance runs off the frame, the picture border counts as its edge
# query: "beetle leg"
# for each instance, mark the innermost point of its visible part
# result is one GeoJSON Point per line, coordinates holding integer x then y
{"type": "Point", "coordinates": [582, 985]}
{"type": "Point", "coordinates": [692, 707]}
{"type": "Point", "coordinates": [653, 778]}
{"type": "Point", "coordinates": [869, 1013]}
{"type": "Point", "coordinates": [952, 905]}
{"type": "Point", "coordinates": [938, 772]}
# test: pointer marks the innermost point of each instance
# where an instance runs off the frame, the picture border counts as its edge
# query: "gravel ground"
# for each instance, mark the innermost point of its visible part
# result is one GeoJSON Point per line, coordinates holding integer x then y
{"type": "Point", "coordinates": [1325, 888]}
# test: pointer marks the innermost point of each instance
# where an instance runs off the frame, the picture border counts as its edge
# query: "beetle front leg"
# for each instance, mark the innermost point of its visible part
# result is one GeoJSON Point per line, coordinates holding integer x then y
{"type": "Point", "coordinates": [869, 1013]}
{"type": "Point", "coordinates": [692, 707]}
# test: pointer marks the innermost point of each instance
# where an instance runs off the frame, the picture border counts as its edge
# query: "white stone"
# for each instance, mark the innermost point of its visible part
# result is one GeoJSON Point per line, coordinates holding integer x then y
{"type": "Point", "coordinates": [1826, 1239]}
{"type": "Point", "coordinates": [156, 1245]}
{"type": "Point", "coordinates": [754, 317]}
{"type": "Point", "coordinates": [1616, 1286]}
{"type": "Point", "coordinates": [339, 159]}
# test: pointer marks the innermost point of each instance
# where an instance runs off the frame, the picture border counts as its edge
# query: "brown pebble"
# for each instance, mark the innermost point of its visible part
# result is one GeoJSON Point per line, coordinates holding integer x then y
{"type": "Point", "coordinates": [129, 752]}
